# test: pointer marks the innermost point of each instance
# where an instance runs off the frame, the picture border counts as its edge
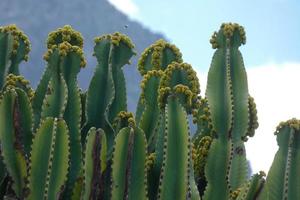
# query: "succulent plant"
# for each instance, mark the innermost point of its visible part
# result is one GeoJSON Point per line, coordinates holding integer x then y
{"type": "Point", "coordinates": [60, 142]}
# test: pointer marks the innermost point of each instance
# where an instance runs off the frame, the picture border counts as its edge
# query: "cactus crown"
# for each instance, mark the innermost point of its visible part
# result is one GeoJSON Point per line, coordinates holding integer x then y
{"type": "Point", "coordinates": [230, 34]}
{"type": "Point", "coordinates": [124, 119]}
{"type": "Point", "coordinates": [180, 79]}
{"type": "Point", "coordinates": [18, 37]}
{"type": "Point", "coordinates": [65, 34]}
{"type": "Point", "coordinates": [292, 123]}
{"type": "Point", "coordinates": [65, 40]}
{"type": "Point", "coordinates": [116, 38]}
{"type": "Point", "coordinates": [14, 81]}
{"type": "Point", "coordinates": [154, 55]}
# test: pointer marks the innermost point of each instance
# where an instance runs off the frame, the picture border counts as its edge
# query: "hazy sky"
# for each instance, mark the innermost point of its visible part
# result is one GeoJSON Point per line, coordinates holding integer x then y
{"type": "Point", "coordinates": [271, 55]}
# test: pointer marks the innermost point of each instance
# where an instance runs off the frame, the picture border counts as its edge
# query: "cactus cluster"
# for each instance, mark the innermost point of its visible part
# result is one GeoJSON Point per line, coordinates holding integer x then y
{"type": "Point", "coordinates": [59, 142]}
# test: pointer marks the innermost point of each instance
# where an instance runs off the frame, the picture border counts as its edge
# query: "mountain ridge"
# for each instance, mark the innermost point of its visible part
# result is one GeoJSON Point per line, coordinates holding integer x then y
{"type": "Point", "coordinates": [92, 19]}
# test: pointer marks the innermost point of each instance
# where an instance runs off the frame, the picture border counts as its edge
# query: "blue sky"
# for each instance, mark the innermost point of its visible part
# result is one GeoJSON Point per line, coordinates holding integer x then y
{"type": "Point", "coordinates": [271, 54]}
{"type": "Point", "coordinates": [272, 26]}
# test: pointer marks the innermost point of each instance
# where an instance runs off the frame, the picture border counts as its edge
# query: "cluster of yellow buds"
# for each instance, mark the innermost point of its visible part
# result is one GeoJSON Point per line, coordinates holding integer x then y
{"type": "Point", "coordinates": [18, 38]}
{"type": "Point", "coordinates": [151, 58]}
{"type": "Point", "coordinates": [115, 38]}
{"type": "Point", "coordinates": [230, 28]}
{"type": "Point", "coordinates": [193, 80]}
{"type": "Point", "coordinates": [213, 40]}
{"type": "Point", "coordinates": [234, 194]}
{"type": "Point", "coordinates": [65, 47]}
{"type": "Point", "coordinates": [14, 81]}
{"type": "Point", "coordinates": [65, 34]}
{"type": "Point", "coordinates": [124, 117]}
{"type": "Point", "coordinates": [253, 122]}
{"type": "Point", "coordinates": [183, 89]}
{"type": "Point", "coordinates": [150, 161]}
{"type": "Point", "coordinates": [292, 123]}
{"type": "Point", "coordinates": [200, 154]}
{"type": "Point", "coordinates": [163, 93]}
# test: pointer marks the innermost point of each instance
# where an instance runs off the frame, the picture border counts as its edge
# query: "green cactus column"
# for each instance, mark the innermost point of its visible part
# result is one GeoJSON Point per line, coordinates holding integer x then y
{"type": "Point", "coordinates": [173, 165]}
{"type": "Point", "coordinates": [14, 47]}
{"type": "Point", "coordinates": [58, 94]}
{"type": "Point", "coordinates": [149, 98]}
{"type": "Point", "coordinates": [283, 178]}
{"type": "Point", "coordinates": [94, 165]}
{"type": "Point", "coordinates": [16, 130]}
{"type": "Point", "coordinates": [228, 102]}
{"type": "Point", "coordinates": [49, 160]}
{"type": "Point", "coordinates": [106, 95]}
{"type": "Point", "coordinates": [129, 179]}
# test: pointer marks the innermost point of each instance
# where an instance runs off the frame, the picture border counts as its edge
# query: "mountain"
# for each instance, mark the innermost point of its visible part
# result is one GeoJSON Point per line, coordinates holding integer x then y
{"type": "Point", "coordinates": [91, 17]}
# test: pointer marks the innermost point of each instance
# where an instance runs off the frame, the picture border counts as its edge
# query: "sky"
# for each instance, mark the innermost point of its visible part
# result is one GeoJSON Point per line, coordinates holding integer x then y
{"type": "Point", "coordinates": [271, 54]}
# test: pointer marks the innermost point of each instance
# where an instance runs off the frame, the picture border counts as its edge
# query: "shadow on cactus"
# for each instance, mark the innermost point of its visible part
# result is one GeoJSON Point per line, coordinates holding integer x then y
{"type": "Point", "coordinates": [60, 142]}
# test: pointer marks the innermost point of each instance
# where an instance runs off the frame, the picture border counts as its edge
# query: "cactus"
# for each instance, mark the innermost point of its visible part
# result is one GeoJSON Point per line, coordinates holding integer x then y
{"type": "Point", "coordinates": [94, 165]}
{"type": "Point", "coordinates": [16, 130]}
{"type": "Point", "coordinates": [58, 94]}
{"type": "Point", "coordinates": [175, 103]}
{"type": "Point", "coordinates": [282, 181]}
{"type": "Point", "coordinates": [252, 188]}
{"type": "Point", "coordinates": [228, 103]}
{"type": "Point", "coordinates": [14, 47]}
{"type": "Point", "coordinates": [60, 142]}
{"type": "Point", "coordinates": [128, 164]}
{"type": "Point", "coordinates": [172, 170]}
{"type": "Point", "coordinates": [149, 98]}
{"type": "Point", "coordinates": [106, 95]}
{"type": "Point", "coordinates": [156, 57]}
{"type": "Point", "coordinates": [49, 160]}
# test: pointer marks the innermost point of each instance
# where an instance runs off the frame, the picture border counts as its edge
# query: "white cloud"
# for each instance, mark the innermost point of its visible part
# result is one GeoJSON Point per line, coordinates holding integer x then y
{"type": "Point", "coordinates": [126, 6]}
{"type": "Point", "coordinates": [275, 88]}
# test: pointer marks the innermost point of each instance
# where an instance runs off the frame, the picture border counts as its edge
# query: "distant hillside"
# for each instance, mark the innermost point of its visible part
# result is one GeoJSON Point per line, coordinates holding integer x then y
{"type": "Point", "coordinates": [91, 17]}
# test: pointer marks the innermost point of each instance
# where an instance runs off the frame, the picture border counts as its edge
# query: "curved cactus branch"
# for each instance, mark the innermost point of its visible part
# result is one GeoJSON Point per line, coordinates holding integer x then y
{"type": "Point", "coordinates": [282, 181]}
{"type": "Point", "coordinates": [14, 47]}
{"type": "Point", "coordinates": [106, 95]}
{"type": "Point", "coordinates": [149, 118]}
{"type": "Point", "coordinates": [49, 160]}
{"type": "Point", "coordinates": [156, 57]}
